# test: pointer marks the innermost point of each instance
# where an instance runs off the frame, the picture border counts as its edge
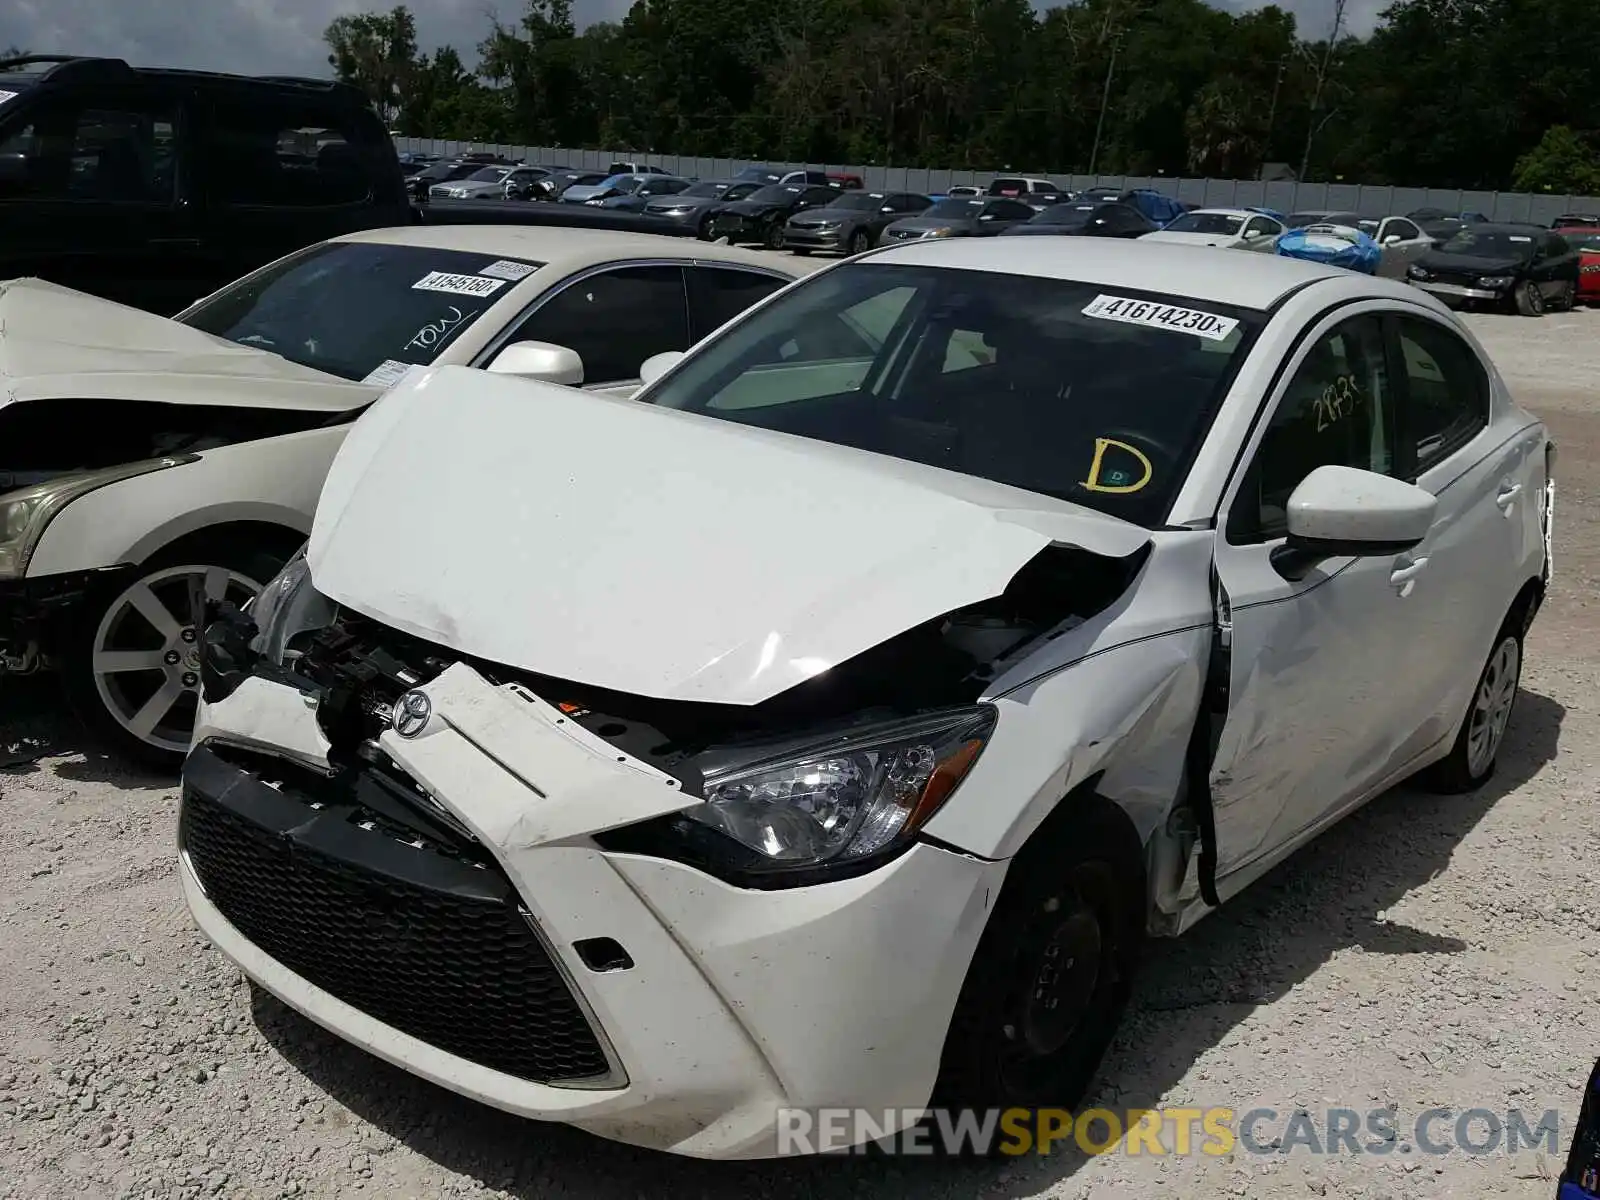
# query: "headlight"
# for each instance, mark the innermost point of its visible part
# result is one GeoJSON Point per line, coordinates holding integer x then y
{"type": "Point", "coordinates": [848, 798]}
{"type": "Point", "coordinates": [938, 233]}
{"type": "Point", "coordinates": [1416, 272]}
{"type": "Point", "coordinates": [1589, 269]}
{"type": "Point", "coordinates": [25, 514]}
{"type": "Point", "coordinates": [286, 608]}
{"type": "Point", "coordinates": [1494, 282]}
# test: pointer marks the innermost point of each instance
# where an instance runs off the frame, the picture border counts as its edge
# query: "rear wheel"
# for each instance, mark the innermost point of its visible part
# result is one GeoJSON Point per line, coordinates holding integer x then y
{"type": "Point", "coordinates": [1529, 300]}
{"type": "Point", "coordinates": [131, 666]}
{"type": "Point", "coordinates": [1476, 750]}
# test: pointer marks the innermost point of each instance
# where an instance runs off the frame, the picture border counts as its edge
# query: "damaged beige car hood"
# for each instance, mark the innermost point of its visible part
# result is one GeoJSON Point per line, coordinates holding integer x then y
{"type": "Point", "coordinates": [56, 343]}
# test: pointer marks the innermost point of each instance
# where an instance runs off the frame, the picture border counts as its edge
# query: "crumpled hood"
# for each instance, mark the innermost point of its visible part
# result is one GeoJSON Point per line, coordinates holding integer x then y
{"type": "Point", "coordinates": [656, 552]}
{"type": "Point", "coordinates": [58, 343]}
{"type": "Point", "coordinates": [585, 191]}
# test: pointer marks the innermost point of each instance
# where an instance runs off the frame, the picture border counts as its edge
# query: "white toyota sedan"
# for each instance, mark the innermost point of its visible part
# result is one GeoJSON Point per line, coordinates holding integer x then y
{"type": "Point", "coordinates": [831, 728]}
{"type": "Point", "coordinates": [138, 453]}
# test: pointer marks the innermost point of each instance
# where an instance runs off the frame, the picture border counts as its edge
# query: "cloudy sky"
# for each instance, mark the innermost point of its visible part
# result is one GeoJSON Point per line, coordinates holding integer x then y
{"type": "Point", "coordinates": [285, 36]}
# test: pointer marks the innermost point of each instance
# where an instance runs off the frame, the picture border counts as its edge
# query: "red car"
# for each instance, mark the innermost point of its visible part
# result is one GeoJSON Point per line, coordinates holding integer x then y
{"type": "Point", "coordinates": [1586, 241]}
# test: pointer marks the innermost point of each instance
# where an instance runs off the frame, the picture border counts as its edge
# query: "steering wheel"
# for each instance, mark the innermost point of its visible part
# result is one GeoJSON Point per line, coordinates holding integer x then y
{"type": "Point", "coordinates": [1158, 456]}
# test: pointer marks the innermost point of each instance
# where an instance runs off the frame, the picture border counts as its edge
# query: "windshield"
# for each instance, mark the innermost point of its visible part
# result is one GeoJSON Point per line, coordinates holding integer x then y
{"type": "Point", "coordinates": [774, 194]}
{"type": "Point", "coordinates": [1044, 384]}
{"type": "Point", "coordinates": [957, 208]}
{"type": "Point", "coordinates": [1301, 220]}
{"type": "Point", "coordinates": [705, 189]}
{"type": "Point", "coordinates": [351, 308]}
{"type": "Point", "coordinates": [1587, 240]}
{"type": "Point", "coordinates": [1064, 214]}
{"type": "Point", "coordinates": [489, 175]}
{"type": "Point", "coordinates": [1477, 243]}
{"type": "Point", "coordinates": [1204, 222]}
{"type": "Point", "coordinates": [858, 201]}
{"type": "Point", "coordinates": [1008, 187]}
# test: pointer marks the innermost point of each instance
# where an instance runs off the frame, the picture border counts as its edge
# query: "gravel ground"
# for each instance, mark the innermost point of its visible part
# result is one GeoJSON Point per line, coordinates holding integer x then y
{"type": "Point", "coordinates": [1429, 952]}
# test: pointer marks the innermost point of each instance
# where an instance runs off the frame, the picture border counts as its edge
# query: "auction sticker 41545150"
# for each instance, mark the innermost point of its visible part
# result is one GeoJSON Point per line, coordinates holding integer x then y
{"type": "Point", "coordinates": [458, 285]}
{"type": "Point", "coordinates": [1160, 316]}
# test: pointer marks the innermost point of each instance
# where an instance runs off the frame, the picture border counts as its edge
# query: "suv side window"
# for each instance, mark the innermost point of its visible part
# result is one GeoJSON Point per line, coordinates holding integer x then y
{"type": "Point", "coordinates": [614, 320]}
{"type": "Point", "coordinates": [112, 152]}
{"type": "Point", "coordinates": [910, 202]}
{"type": "Point", "coordinates": [277, 156]}
{"type": "Point", "coordinates": [1337, 410]}
{"type": "Point", "coordinates": [815, 197]}
{"type": "Point", "coordinates": [718, 294]}
{"type": "Point", "coordinates": [1009, 210]}
{"type": "Point", "coordinates": [1447, 392]}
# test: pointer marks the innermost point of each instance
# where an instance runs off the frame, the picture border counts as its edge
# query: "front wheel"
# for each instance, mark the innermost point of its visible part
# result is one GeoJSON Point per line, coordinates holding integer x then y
{"type": "Point", "coordinates": [773, 239]}
{"type": "Point", "coordinates": [860, 242]}
{"type": "Point", "coordinates": [1529, 300]}
{"type": "Point", "coordinates": [1052, 973]}
{"type": "Point", "coordinates": [131, 666]}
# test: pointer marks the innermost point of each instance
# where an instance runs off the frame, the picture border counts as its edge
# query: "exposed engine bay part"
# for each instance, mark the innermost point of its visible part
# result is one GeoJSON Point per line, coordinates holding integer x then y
{"type": "Point", "coordinates": [359, 668]}
{"type": "Point", "coordinates": [41, 440]}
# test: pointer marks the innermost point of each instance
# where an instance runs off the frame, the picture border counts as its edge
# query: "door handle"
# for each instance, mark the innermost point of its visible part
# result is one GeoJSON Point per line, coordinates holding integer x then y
{"type": "Point", "coordinates": [1403, 577]}
{"type": "Point", "coordinates": [1507, 496]}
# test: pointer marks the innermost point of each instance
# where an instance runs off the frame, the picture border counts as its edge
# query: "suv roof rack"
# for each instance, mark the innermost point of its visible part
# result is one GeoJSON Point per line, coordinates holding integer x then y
{"type": "Point", "coordinates": [63, 64]}
{"type": "Point", "coordinates": [59, 64]}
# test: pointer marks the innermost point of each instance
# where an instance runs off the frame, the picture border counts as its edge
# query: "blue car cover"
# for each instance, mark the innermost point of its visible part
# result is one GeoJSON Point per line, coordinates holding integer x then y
{"type": "Point", "coordinates": [1163, 210]}
{"type": "Point", "coordinates": [1581, 1179]}
{"type": "Point", "coordinates": [1335, 245]}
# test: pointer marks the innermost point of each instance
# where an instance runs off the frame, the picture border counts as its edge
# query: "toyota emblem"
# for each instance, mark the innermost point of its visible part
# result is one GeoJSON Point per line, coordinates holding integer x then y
{"type": "Point", "coordinates": [411, 713]}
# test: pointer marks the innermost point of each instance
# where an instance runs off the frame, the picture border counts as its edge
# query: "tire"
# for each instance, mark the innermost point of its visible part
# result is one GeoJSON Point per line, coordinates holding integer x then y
{"type": "Point", "coordinates": [1569, 298]}
{"type": "Point", "coordinates": [772, 236]}
{"type": "Point", "coordinates": [1529, 300]}
{"type": "Point", "coordinates": [860, 242]}
{"type": "Point", "coordinates": [800, 251]}
{"type": "Point", "coordinates": [1053, 970]}
{"type": "Point", "coordinates": [1475, 752]}
{"type": "Point", "coordinates": [144, 620]}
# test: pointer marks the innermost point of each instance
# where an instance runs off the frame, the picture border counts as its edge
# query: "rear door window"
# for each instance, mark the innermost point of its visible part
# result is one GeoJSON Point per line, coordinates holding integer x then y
{"type": "Point", "coordinates": [85, 149]}
{"type": "Point", "coordinates": [1447, 392]}
{"type": "Point", "coordinates": [300, 156]}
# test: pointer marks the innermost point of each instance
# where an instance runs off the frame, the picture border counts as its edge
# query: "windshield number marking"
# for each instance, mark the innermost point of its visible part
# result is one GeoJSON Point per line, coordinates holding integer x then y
{"type": "Point", "coordinates": [458, 285]}
{"type": "Point", "coordinates": [506, 268]}
{"type": "Point", "coordinates": [387, 373]}
{"type": "Point", "coordinates": [433, 335]}
{"type": "Point", "coordinates": [1160, 316]}
{"type": "Point", "coordinates": [5, 96]}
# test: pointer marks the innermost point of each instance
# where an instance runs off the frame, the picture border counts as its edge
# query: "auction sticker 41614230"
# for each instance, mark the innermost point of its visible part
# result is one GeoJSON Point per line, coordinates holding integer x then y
{"type": "Point", "coordinates": [1160, 316]}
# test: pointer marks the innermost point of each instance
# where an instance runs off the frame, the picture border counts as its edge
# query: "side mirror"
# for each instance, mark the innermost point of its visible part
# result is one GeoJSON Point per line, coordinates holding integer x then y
{"type": "Point", "coordinates": [539, 360]}
{"type": "Point", "coordinates": [1345, 511]}
{"type": "Point", "coordinates": [657, 365]}
{"type": "Point", "coordinates": [1392, 239]}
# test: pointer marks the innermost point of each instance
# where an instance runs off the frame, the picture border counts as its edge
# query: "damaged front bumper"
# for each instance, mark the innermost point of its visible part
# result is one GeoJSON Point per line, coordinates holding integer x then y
{"type": "Point", "coordinates": [36, 613]}
{"type": "Point", "coordinates": [444, 904]}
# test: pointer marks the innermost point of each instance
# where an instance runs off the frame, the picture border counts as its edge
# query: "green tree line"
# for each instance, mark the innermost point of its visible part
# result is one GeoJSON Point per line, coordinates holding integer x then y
{"type": "Point", "coordinates": [1445, 93]}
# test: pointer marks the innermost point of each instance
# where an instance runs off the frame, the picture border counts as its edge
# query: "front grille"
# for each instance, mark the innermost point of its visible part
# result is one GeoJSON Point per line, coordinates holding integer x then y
{"type": "Point", "coordinates": [430, 943]}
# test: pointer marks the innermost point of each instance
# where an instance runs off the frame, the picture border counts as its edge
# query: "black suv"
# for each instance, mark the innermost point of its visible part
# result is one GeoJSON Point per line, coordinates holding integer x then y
{"type": "Point", "coordinates": [156, 187]}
